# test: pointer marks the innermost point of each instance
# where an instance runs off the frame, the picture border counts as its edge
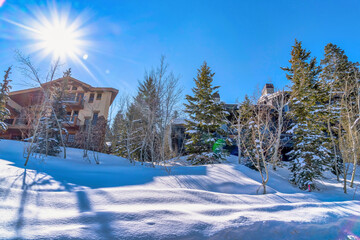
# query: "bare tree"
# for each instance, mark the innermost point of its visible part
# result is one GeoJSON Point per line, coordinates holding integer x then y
{"type": "Point", "coordinates": [149, 116]}
{"type": "Point", "coordinates": [332, 126]}
{"type": "Point", "coordinates": [349, 129]}
{"type": "Point", "coordinates": [30, 71]}
{"type": "Point", "coordinates": [279, 103]}
{"type": "Point", "coordinates": [259, 147]}
{"type": "Point", "coordinates": [170, 94]}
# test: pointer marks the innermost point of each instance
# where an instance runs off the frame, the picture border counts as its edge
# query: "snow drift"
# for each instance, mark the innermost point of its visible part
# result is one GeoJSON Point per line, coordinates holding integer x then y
{"type": "Point", "coordinates": [73, 198]}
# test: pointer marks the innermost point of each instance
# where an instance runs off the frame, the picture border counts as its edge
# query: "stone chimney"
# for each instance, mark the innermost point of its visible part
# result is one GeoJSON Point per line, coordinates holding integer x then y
{"type": "Point", "coordinates": [268, 89]}
{"type": "Point", "coordinates": [217, 97]}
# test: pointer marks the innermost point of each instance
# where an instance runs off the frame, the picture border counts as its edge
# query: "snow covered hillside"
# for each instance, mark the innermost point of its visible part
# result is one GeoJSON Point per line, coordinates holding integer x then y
{"type": "Point", "coordinates": [74, 199]}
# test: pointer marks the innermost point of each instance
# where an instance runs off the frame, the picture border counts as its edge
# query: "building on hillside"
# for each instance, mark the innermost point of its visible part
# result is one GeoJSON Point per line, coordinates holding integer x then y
{"type": "Point", "coordinates": [84, 105]}
{"type": "Point", "coordinates": [269, 96]}
{"type": "Point", "coordinates": [178, 135]}
{"type": "Point", "coordinates": [267, 100]}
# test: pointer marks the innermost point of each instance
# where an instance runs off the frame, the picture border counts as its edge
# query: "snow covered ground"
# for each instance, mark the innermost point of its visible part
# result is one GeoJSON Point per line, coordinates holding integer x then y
{"type": "Point", "coordinates": [74, 199]}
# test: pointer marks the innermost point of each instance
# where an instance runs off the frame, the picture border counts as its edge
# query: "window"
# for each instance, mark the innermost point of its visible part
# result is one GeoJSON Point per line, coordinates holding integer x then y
{"type": "Point", "coordinates": [9, 121]}
{"type": "Point", "coordinates": [98, 96]}
{"type": "Point", "coordinates": [80, 97]}
{"type": "Point", "coordinates": [75, 114]}
{"type": "Point", "coordinates": [95, 118]}
{"type": "Point", "coordinates": [20, 121]}
{"type": "Point", "coordinates": [71, 138]}
{"type": "Point", "coordinates": [74, 88]}
{"type": "Point", "coordinates": [70, 97]}
{"type": "Point", "coordinates": [87, 121]}
{"type": "Point", "coordinates": [91, 98]}
{"type": "Point", "coordinates": [68, 116]}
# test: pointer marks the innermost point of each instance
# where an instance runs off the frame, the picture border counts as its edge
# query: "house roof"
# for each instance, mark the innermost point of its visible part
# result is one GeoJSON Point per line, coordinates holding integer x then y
{"type": "Point", "coordinates": [86, 86]}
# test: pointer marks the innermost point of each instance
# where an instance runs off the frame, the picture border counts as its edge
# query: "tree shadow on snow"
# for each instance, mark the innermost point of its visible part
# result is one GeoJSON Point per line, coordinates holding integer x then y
{"type": "Point", "coordinates": [70, 176]}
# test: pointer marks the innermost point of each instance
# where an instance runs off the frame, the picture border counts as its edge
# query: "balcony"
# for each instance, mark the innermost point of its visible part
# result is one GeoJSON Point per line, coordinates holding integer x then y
{"type": "Point", "coordinates": [72, 121]}
{"type": "Point", "coordinates": [17, 123]}
{"type": "Point", "coordinates": [74, 102]}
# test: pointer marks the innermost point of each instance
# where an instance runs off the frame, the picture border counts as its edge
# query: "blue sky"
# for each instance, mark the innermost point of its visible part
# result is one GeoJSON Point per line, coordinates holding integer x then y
{"type": "Point", "coordinates": [244, 42]}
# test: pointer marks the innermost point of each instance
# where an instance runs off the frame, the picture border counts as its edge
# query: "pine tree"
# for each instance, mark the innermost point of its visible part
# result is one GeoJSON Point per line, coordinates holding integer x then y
{"type": "Point", "coordinates": [310, 153]}
{"type": "Point", "coordinates": [246, 113]}
{"type": "Point", "coordinates": [337, 69]}
{"type": "Point", "coordinates": [341, 78]}
{"type": "Point", "coordinates": [4, 96]}
{"type": "Point", "coordinates": [336, 73]}
{"type": "Point", "coordinates": [206, 118]}
{"type": "Point", "coordinates": [49, 140]}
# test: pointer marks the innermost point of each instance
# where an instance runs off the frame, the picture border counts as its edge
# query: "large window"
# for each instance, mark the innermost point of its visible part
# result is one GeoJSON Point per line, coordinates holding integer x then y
{"type": "Point", "coordinates": [95, 118]}
{"type": "Point", "coordinates": [98, 96]}
{"type": "Point", "coordinates": [70, 97]}
{"type": "Point", "coordinates": [91, 98]}
{"type": "Point", "coordinates": [80, 97]}
{"type": "Point", "coordinates": [71, 138]}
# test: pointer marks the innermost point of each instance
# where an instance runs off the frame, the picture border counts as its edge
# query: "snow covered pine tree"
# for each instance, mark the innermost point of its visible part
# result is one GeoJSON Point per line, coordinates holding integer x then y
{"type": "Point", "coordinates": [48, 140]}
{"type": "Point", "coordinates": [4, 95]}
{"type": "Point", "coordinates": [206, 119]}
{"type": "Point", "coordinates": [311, 153]}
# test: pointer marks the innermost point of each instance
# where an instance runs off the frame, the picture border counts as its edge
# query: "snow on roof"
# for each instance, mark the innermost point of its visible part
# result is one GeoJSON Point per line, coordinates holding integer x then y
{"type": "Point", "coordinates": [179, 121]}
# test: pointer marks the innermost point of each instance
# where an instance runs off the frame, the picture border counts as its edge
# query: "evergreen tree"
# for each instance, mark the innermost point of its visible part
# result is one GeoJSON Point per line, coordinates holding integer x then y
{"type": "Point", "coordinates": [48, 139]}
{"type": "Point", "coordinates": [4, 96]}
{"type": "Point", "coordinates": [311, 153]}
{"type": "Point", "coordinates": [148, 103]}
{"type": "Point", "coordinates": [143, 129]}
{"type": "Point", "coordinates": [133, 132]}
{"type": "Point", "coordinates": [246, 113]}
{"type": "Point", "coordinates": [337, 69]}
{"type": "Point", "coordinates": [206, 118]}
{"type": "Point", "coordinates": [341, 78]}
{"type": "Point", "coordinates": [337, 72]}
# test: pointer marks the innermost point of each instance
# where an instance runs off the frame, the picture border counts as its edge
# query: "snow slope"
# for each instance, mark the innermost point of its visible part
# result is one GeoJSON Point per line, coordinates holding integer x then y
{"type": "Point", "coordinates": [74, 199]}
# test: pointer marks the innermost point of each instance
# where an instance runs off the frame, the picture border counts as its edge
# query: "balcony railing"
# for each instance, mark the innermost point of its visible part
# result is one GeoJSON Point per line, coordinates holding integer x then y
{"type": "Point", "coordinates": [72, 121]}
{"type": "Point", "coordinates": [74, 101]}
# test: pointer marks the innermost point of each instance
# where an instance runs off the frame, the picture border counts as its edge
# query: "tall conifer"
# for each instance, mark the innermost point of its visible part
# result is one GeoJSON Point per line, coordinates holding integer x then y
{"type": "Point", "coordinates": [4, 95]}
{"type": "Point", "coordinates": [311, 152]}
{"type": "Point", "coordinates": [206, 118]}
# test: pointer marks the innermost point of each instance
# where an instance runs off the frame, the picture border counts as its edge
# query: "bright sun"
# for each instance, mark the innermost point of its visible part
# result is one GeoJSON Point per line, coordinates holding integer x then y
{"type": "Point", "coordinates": [53, 33]}
{"type": "Point", "coordinates": [59, 40]}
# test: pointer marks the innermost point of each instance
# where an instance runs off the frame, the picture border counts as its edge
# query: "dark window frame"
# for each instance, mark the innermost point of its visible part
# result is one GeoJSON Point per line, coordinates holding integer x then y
{"type": "Point", "coordinates": [91, 97]}
{"type": "Point", "coordinates": [95, 119]}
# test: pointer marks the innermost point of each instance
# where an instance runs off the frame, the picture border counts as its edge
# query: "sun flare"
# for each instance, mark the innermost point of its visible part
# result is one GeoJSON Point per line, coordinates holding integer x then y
{"type": "Point", "coordinates": [54, 33]}
{"type": "Point", "coordinates": [59, 39]}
